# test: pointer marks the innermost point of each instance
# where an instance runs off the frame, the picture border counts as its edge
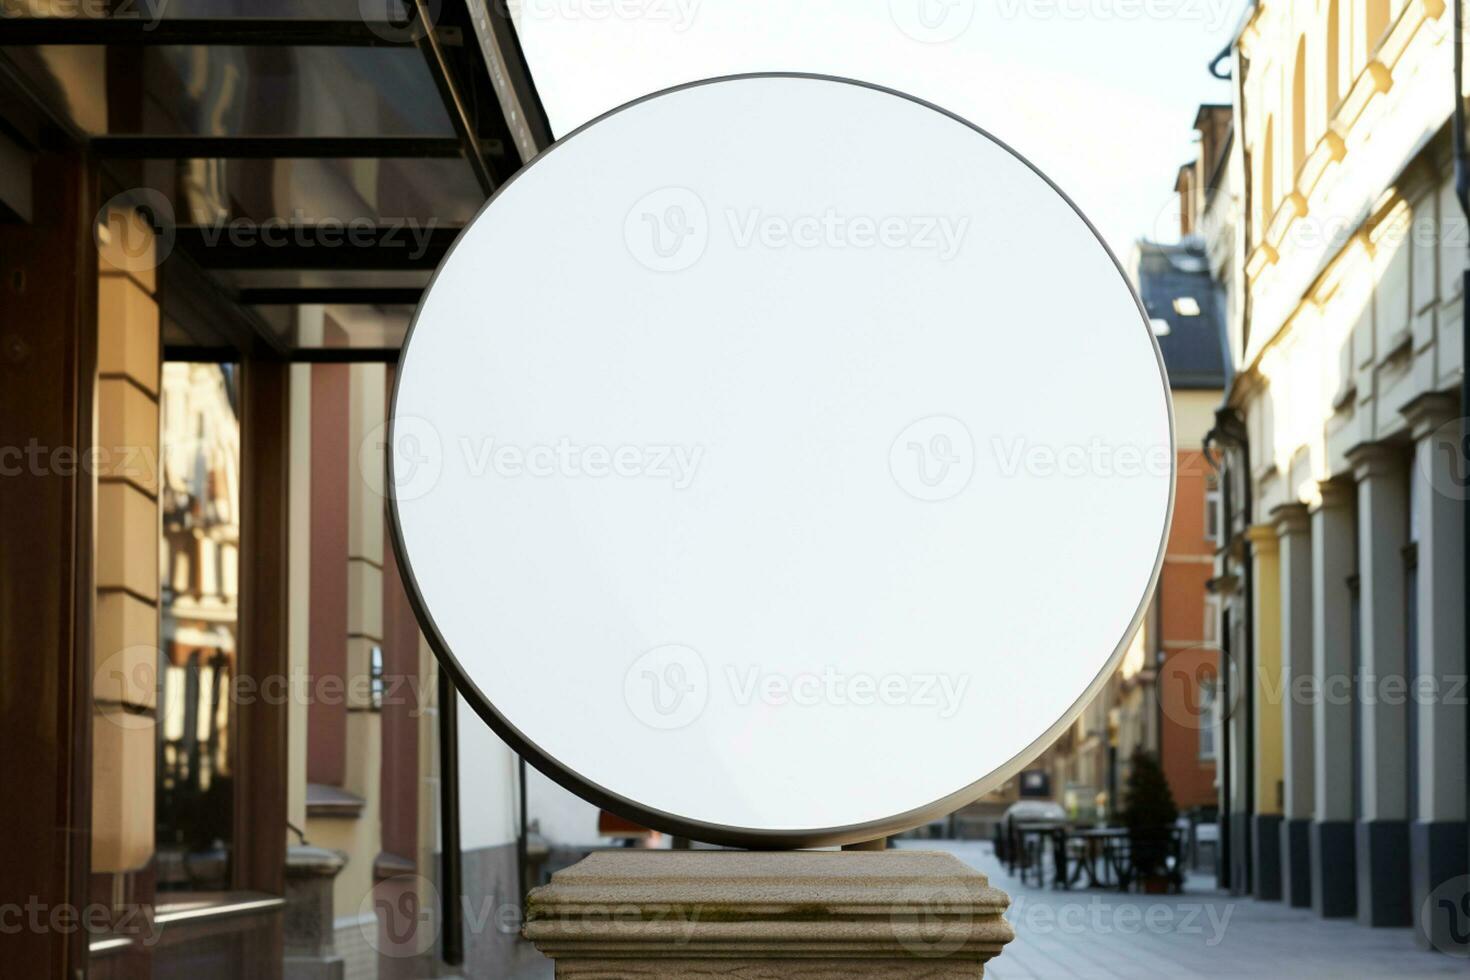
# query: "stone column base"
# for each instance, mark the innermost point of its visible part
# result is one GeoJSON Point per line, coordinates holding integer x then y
{"type": "Point", "coordinates": [1266, 859]}
{"type": "Point", "coordinates": [810, 915]}
{"type": "Point", "coordinates": [1334, 882]}
{"type": "Point", "coordinates": [1296, 861]}
{"type": "Point", "coordinates": [309, 950]}
{"type": "Point", "coordinates": [1438, 854]}
{"type": "Point", "coordinates": [1383, 877]}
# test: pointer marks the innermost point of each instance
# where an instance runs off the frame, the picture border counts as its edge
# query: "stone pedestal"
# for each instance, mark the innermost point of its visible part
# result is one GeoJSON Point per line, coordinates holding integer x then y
{"type": "Point", "coordinates": [310, 953]}
{"type": "Point", "coordinates": [809, 915]}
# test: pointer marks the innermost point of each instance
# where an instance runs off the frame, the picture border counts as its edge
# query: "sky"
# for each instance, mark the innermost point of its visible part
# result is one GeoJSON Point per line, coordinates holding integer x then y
{"type": "Point", "coordinates": [1100, 94]}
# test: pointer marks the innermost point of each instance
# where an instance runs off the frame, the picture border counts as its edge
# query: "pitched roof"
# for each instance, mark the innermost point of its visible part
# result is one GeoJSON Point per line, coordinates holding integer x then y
{"type": "Point", "coordinates": [1173, 280]}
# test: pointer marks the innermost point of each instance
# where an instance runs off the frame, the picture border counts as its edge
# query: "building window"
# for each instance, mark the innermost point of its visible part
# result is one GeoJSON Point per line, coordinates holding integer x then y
{"type": "Point", "coordinates": [1299, 109]}
{"type": "Point", "coordinates": [1210, 718]}
{"type": "Point", "coordinates": [1334, 80]}
{"type": "Point", "coordinates": [1212, 620]}
{"type": "Point", "coordinates": [1268, 177]}
{"type": "Point", "coordinates": [1212, 512]}
{"type": "Point", "coordinates": [1375, 24]}
{"type": "Point", "coordinates": [375, 677]}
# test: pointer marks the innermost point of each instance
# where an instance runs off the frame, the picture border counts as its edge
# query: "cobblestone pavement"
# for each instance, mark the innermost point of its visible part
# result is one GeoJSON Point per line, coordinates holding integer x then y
{"type": "Point", "coordinates": [1202, 933]}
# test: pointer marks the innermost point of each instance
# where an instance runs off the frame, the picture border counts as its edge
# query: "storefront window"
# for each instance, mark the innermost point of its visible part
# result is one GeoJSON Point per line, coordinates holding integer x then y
{"type": "Point", "coordinates": [199, 552]}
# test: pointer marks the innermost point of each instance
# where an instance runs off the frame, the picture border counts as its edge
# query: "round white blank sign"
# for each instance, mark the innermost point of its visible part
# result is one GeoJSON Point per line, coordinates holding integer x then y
{"type": "Point", "coordinates": [780, 460]}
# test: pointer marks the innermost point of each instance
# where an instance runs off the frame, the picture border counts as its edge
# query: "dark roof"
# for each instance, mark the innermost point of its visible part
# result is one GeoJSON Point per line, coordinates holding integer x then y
{"type": "Point", "coordinates": [1191, 345]}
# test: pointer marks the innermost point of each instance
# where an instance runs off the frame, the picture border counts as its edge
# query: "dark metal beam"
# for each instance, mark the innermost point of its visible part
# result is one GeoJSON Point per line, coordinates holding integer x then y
{"type": "Point", "coordinates": [299, 355]}
{"type": "Point", "coordinates": [364, 296]}
{"type": "Point", "coordinates": [268, 245]}
{"type": "Point", "coordinates": [197, 302]}
{"type": "Point", "coordinates": [283, 147]}
{"type": "Point", "coordinates": [252, 31]}
{"type": "Point", "coordinates": [436, 57]}
{"type": "Point", "coordinates": [504, 63]}
{"type": "Point", "coordinates": [345, 355]}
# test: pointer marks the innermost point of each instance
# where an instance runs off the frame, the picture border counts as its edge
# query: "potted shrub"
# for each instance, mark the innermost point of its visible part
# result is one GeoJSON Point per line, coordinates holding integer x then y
{"type": "Point", "coordinates": [1149, 814]}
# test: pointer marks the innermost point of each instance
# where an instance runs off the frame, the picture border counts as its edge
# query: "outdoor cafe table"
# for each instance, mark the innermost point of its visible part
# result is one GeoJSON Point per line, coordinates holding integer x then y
{"type": "Point", "coordinates": [1031, 839]}
{"type": "Point", "coordinates": [1107, 845]}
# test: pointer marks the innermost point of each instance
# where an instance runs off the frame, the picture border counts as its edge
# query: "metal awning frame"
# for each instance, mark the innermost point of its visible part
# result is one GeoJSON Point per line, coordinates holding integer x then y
{"type": "Point", "coordinates": [445, 36]}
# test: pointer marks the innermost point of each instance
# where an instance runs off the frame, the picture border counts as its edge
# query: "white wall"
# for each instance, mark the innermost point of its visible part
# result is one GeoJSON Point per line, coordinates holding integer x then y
{"type": "Point", "coordinates": [565, 819]}
{"type": "Point", "coordinates": [487, 784]}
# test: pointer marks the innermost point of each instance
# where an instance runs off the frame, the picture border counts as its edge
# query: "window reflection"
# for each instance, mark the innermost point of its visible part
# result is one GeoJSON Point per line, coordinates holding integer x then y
{"type": "Point", "coordinates": [200, 574]}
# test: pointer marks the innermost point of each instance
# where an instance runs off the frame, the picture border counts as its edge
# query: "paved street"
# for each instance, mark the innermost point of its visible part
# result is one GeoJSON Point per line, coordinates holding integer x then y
{"type": "Point", "coordinates": [1202, 933]}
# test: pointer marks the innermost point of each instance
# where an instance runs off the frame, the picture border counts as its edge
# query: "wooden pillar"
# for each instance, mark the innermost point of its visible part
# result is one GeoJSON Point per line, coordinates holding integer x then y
{"type": "Point", "coordinates": [48, 376]}
{"type": "Point", "coordinates": [261, 787]}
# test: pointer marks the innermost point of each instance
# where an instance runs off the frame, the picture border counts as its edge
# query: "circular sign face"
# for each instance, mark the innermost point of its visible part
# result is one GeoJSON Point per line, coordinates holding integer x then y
{"type": "Point", "coordinates": [780, 460]}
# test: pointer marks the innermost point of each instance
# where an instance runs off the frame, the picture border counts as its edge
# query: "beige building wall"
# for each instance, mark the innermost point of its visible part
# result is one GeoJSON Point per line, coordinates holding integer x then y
{"type": "Point", "coordinates": [126, 637]}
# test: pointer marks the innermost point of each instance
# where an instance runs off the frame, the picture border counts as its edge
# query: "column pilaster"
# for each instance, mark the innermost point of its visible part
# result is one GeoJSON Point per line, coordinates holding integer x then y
{"type": "Point", "coordinates": [1266, 713]}
{"type": "Point", "coordinates": [1382, 685]}
{"type": "Point", "coordinates": [1334, 560]}
{"type": "Point", "coordinates": [1293, 531]}
{"type": "Point", "coordinates": [1437, 830]}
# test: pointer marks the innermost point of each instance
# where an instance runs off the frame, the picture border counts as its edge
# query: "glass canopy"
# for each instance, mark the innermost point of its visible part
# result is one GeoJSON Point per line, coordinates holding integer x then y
{"type": "Point", "coordinates": [309, 161]}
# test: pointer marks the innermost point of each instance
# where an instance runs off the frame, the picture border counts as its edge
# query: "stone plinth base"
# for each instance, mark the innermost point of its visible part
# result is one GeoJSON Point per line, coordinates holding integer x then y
{"type": "Point", "coordinates": [1266, 841]}
{"type": "Point", "coordinates": [1296, 861]}
{"type": "Point", "coordinates": [809, 915]}
{"type": "Point", "coordinates": [310, 953]}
